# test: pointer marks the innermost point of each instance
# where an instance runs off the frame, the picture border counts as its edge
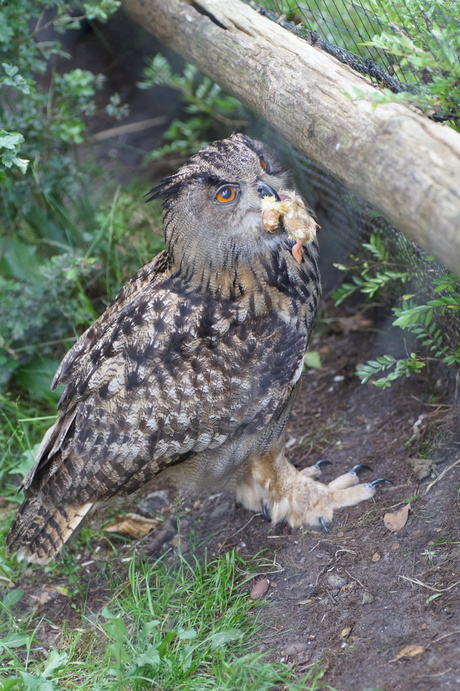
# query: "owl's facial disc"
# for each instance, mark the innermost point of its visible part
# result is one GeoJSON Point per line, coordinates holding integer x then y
{"type": "Point", "coordinates": [213, 206]}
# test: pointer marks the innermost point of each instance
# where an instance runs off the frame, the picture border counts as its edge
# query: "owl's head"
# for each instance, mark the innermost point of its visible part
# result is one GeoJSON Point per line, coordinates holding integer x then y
{"type": "Point", "coordinates": [212, 205]}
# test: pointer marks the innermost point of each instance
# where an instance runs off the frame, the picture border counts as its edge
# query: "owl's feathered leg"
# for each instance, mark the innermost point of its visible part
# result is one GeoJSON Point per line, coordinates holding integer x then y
{"type": "Point", "coordinates": [269, 480]}
{"type": "Point", "coordinates": [38, 531]}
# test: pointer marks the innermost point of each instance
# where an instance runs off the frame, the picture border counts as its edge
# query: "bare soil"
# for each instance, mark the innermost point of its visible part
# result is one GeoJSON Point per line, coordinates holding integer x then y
{"type": "Point", "coordinates": [357, 597]}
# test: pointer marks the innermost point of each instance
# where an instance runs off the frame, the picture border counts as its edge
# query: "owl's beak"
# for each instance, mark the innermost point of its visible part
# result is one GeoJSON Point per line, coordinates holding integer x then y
{"type": "Point", "coordinates": [265, 190]}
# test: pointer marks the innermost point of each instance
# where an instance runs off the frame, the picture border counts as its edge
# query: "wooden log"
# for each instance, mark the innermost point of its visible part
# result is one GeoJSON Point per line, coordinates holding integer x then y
{"type": "Point", "coordinates": [406, 166]}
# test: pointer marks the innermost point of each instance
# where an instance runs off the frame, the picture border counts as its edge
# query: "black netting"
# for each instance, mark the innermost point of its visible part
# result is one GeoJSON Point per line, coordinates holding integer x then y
{"type": "Point", "coordinates": [401, 45]}
{"type": "Point", "coordinates": [345, 29]}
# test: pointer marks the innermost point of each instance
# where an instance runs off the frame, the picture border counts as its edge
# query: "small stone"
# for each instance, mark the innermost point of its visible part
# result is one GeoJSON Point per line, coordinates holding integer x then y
{"type": "Point", "coordinates": [336, 581]}
{"type": "Point", "coordinates": [367, 598]}
{"type": "Point", "coordinates": [376, 557]}
{"type": "Point", "coordinates": [155, 502]}
{"type": "Point", "coordinates": [222, 509]}
{"type": "Point", "coordinates": [295, 649]}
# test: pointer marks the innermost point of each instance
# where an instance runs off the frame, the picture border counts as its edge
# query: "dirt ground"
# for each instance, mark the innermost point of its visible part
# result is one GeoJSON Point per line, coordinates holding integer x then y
{"type": "Point", "coordinates": [358, 597]}
{"type": "Point", "coordinates": [379, 608]}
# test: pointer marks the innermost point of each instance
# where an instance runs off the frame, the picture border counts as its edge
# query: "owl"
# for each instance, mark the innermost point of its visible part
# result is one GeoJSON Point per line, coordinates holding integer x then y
{"type": "Point", "coordinates": [192, 371]}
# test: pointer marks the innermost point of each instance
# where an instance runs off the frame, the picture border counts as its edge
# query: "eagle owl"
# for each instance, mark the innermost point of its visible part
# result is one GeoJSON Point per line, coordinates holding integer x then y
{"type": "Point", "coordinates": [193, 369]}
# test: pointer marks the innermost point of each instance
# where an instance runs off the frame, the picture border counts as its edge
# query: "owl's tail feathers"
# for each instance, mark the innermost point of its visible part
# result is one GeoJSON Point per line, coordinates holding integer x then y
{"type": "Point", "coordinates": [38, 531]}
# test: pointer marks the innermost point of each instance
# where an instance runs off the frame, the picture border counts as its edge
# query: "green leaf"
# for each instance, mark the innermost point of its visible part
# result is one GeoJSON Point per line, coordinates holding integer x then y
{"type": "Point", "coordinates": [10, 683]}
{"type": "Point", "coordinates": [186, 634]}
{"type": "Point", "coordinates": [19, 261]}
{"type": "Point", "coordinates": [36, 378]}
{"type": "Point", "coordinates": [12, 597]}
{"type": "Point", "coordinates": [10, 140]}
{"type": "Point", "coordinates": [6, 31]}
{"type": "Point", "coordinates": [312, 359]}
{"type": "Point", "coordinates": [14, 640]}
{"type": "Point", "coordinates": [13, 78]}
{"type": "Point", "coordinates": [31, 683]}
{"type": "Point", "coordinates": [186, 654]}
{"type": "Point", "coordinates": [223, 637]}
{"type": "Point", "coordinates": [151, 657]}
{"type": "Point", "coordinates": [55, 662]}
{"type": "Point", "coordinates": [100, 9]}
{"type": "Point", "coordinates": [433, 597]}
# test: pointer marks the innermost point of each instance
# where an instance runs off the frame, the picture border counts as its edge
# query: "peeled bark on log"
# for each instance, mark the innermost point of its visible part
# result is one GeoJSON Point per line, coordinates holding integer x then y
{"type": "Point", "coordinates": [406, 166]}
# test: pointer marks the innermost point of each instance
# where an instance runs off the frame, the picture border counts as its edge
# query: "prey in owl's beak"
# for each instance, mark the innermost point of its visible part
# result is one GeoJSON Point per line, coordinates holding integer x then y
{"type": "Point", "coordinates": [288, 209]}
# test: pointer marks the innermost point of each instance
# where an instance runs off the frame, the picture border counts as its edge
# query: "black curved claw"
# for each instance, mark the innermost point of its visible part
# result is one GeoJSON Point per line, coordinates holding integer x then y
{"type": "Point", "coordinates": [266, 511]}
{"type": "Point", "coordinates": [323, 525]}
{"type": "Point", "coordinates": [318, 464]}
{"type": "Point", "coordinates": [359, 468]}
{"type": "Point", "coordinates": [379, 481]}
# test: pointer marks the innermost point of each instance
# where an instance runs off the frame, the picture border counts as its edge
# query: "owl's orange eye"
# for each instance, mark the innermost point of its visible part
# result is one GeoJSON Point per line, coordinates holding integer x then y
{"type": "Point", "coordinates": [225, 194]}
{"type": "Point", "coordinates": [263, 163]}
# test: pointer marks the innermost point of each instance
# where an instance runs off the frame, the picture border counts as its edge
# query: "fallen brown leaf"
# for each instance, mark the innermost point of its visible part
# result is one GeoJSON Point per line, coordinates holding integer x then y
{"type": "Point", "coordinates": [409, 651]}
{"type": "Point", "coordinates": [354, 323]}
{"type": "Point", "coordinates": [132, 524]}
{"type": "Point", "coordinates": [259, 589]}
{"type": "Point", "coordinates": [397, 519]}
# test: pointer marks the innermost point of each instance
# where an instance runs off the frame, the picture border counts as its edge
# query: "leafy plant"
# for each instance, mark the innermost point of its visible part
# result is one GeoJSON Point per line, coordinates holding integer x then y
{"type": "Point", "coordinates": [423, 43]}
{"type": "Point", "coordinates": [417, 314]}
{"type": "Point", "coordinates": [47, 221]}
{"type": "Point", "coordinates": [398, 368]}
{"type": "Point", "coordinates": [416, 43]}
{"type": "Point", "coordinates": [207, 108]}
{"type": "Point", "coordinates": [377, 272]}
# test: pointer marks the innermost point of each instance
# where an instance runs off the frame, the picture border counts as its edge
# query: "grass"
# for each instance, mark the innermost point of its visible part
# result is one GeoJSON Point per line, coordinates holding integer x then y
{"type": "Point", "coordinates": [190, 626]}
{"type": "Point", "coordinates": [153, 625]}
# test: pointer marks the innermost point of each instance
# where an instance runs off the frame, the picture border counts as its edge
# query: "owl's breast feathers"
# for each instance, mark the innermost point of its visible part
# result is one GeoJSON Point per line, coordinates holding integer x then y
{"type": "Point", "coordinates": [171, 369]}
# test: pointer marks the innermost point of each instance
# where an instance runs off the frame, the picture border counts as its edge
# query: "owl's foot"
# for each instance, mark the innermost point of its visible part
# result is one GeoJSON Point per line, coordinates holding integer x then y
{"type": "Point", "coordinates": [271, 484]}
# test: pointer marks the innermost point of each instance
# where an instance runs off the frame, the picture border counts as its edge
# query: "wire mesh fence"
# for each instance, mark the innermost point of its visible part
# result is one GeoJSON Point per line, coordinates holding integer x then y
{"type": "Point", "coordinates": [406, 46]}
{"type": "Point", "coordinates": [403, 45]}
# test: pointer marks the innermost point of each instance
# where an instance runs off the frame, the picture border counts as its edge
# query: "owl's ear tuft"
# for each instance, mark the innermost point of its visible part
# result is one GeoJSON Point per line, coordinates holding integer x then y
{"type": "Point", "coordinates": [167, 187]}
{"type": "Point", "coordinates": [171, 186]}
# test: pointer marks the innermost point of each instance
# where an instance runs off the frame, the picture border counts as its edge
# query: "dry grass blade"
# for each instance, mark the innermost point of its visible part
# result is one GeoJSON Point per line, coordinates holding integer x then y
{"type": "Point", "coordinates": [444, 472]}
{"type": "Point", "coordinates": [430, 587]}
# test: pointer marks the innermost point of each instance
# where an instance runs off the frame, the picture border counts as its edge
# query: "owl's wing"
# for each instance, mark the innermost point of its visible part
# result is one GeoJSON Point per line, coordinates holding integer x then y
{"type": "Point", "coordinates": [169, 374]}
{"type": "Point", "coordinates": [76, 359]}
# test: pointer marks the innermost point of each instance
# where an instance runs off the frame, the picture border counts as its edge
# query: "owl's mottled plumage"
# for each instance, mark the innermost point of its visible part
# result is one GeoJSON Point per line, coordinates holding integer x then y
{"type": "Point", "coordinates": [192, 370]}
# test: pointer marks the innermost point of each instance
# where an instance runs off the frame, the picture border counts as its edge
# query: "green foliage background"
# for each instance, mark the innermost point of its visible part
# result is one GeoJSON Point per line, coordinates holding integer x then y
{"type": "Point", "coordinates": [63, 247]}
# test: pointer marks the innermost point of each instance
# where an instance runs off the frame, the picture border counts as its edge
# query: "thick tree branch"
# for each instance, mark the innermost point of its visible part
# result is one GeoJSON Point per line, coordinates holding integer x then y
{"type": "Point", "coordinates": [406, 166]}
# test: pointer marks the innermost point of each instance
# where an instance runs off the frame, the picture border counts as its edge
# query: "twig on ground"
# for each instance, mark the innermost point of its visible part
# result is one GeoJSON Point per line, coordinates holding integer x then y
{"type": "Point", "coordinates": [444, 472]}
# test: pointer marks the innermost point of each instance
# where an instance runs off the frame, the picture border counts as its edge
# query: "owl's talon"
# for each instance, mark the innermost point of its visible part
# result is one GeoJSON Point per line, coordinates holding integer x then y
{"type": "Point", "coordinates": [266, 511]}
{"type": "Point", "coordinates": [318, 464]}
{"type": "Point", "coordinates": [359, 468]}
{"type": "Point", "coordinates": [379, 481]}
{"type": "Point", "coordinates": [323, 525]}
